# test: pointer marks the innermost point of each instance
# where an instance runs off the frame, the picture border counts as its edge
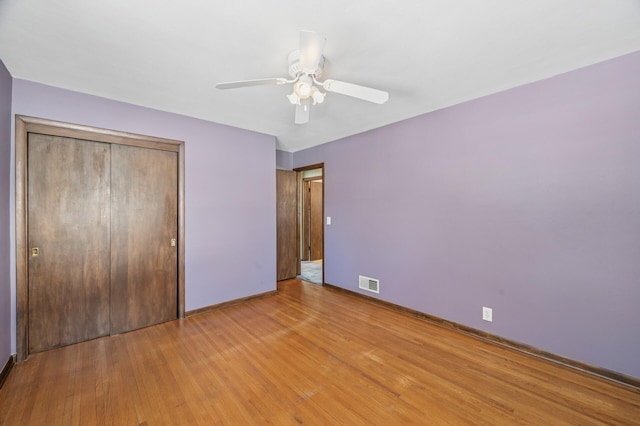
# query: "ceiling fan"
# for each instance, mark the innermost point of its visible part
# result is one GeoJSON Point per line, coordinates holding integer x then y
{"type": "Point", "coordinates": [305, 68]}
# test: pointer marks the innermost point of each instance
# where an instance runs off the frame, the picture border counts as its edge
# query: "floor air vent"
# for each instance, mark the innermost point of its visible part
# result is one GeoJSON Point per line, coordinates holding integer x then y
{"type": "Point", "coordinates": [370, 284]}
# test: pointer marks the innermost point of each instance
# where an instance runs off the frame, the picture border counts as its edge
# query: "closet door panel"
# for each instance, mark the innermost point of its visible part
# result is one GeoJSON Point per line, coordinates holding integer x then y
{"type": "Point", "coordinates": [68, 238]}
{"type": "Point", "coordinates": [286, 217]}
{"type": "Point", "coordinates": [144, 229]}
{"type": "Point", "coordinates": [316, 220]}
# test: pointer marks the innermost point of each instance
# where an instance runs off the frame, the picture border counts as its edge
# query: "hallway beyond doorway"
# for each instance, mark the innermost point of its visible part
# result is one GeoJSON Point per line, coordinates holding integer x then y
{"type": "Point", "coordinates": [311, 271]}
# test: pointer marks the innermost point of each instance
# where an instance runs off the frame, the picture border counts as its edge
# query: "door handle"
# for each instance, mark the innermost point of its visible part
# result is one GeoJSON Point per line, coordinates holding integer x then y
{"type": "Point", "coordinates": [35, 252]}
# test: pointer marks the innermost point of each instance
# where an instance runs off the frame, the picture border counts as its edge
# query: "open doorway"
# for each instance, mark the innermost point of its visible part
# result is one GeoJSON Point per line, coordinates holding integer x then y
{"type": "Point", "coordinates": [311, 224]}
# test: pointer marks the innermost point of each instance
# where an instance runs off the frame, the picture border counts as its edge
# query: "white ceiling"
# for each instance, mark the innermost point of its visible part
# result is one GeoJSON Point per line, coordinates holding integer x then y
{"type": "Point", "coordinates": [427, 54]}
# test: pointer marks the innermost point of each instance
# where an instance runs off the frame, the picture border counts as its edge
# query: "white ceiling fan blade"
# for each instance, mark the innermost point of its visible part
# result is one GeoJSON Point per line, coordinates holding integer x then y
{"type": "Point", "coordinates": [357, 91]}
{"type": "Point", "coordinates": [311, 46]}
{"type": "Point", "coordinates": [248, 83]}
{"type": "Point", "coordinates": [302, 111]}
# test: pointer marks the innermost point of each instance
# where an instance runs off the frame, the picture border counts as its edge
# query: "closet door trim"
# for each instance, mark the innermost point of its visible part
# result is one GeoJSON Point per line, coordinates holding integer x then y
{"type": "Point", "coordinates": [25, 125]}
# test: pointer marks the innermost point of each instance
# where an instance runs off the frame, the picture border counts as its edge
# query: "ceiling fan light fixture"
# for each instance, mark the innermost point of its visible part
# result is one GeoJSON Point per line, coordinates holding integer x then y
{"type": "Point", "coordinates": [304, 87]}
{"type": "Point", "coordinates": [294, 99]}
{"type": "Point", "coordinates": [318, 96]}
{"type": "Point", "coordinates": [305, 90]}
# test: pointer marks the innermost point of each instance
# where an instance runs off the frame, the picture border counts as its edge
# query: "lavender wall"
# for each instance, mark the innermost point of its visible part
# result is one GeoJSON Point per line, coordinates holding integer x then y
{"type": "Point", "coordinates": [5, 212]}
{"type": "Point", "coordinates": [284, 160]}
{"type": "Point", "coordinates": [230, 188]}
{"type": "Point", "coordinates": [527, 201]}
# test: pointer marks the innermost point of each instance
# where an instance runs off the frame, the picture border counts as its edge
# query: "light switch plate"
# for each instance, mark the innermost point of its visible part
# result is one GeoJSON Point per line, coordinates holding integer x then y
{"type": "Point", "coordinates": [487, 314]}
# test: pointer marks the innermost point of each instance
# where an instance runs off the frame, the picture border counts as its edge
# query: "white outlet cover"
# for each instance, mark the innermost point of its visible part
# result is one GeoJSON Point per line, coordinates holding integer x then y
{"type": "Point", "coordinates": [328, 220]}
{"type": "Point", "coordinates": [487, 314]}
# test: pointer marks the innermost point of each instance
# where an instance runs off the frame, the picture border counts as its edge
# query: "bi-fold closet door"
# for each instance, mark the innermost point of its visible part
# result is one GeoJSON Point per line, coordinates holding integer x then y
{"type": "Point", "coordinates": [102, 224]}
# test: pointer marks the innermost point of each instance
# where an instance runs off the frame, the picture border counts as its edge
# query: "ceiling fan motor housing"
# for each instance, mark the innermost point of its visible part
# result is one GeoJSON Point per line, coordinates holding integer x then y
{"type": "Point", "coordinates": [295, 69]}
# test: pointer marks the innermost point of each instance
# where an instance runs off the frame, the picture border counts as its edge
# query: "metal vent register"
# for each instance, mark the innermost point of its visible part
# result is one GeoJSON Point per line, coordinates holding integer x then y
{"type": "Point", "coordinates": [369, 284]}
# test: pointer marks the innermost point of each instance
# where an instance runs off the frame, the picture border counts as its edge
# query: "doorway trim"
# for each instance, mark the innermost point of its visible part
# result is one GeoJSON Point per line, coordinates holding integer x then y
{"type": "Point", "coordinates": [299, 170]}
{"type": "Point", "coordinates": [25, 125]}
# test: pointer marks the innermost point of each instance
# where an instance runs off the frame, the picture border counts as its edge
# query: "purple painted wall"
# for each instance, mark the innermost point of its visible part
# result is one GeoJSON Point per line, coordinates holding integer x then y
{"type": "Point", "coordinates": [5, 214]}
{"type": "Point", "coordinates": [526, 201]}
{"type": "Point", "coordinates": [284, 160]}
{"type": "Point", "coordinates": [230, 188]}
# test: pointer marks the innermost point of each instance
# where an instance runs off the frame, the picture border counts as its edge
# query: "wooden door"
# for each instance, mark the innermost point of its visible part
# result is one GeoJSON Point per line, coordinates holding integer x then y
{"type": "Point", "coordinates": [68, 240]}
{"type": "Point", "coordinates": [286, 217]}
{"type": "Point", "coordinates": [312, 228]}
{"type": "Point", "coordinates": [144, 232]}
{"type": "Point", "coordinates": [306, 222]}
{"type": "Point", "coordinates": [315, 220]}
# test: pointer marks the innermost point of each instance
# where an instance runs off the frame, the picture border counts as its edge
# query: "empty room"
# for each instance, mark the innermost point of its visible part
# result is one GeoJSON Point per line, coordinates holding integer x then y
{"type": "Point", "coordinates": [295, 212]}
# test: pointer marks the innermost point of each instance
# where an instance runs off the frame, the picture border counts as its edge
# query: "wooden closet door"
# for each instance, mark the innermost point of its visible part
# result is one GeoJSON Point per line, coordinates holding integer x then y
{"type": "Point", "coordinates": [312, 220]}
{"type": "Point", "coordinates": [286, 217]}
{"type": "Point", "coordinates": [68, 238]}
{"type": "Point", "coordinates": [306, 221]}
{"type": "Point", "coordinates": [316, 220]}
{"type": "Point", "coordinates": [144, 221]}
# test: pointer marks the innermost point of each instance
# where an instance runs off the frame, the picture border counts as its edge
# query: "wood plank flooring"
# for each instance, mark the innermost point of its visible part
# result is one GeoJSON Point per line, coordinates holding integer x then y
{"type": "Point", "coordinates": [308, 355]}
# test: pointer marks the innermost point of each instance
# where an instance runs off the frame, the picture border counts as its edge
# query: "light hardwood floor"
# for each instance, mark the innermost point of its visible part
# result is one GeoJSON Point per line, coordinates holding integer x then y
{"type": "Point", "coordinates": [308, 355]}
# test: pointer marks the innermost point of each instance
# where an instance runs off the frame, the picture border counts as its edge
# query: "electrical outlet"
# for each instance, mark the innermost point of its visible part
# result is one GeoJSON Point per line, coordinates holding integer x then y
{"type": "Point", "coordinates": [487, 314]}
